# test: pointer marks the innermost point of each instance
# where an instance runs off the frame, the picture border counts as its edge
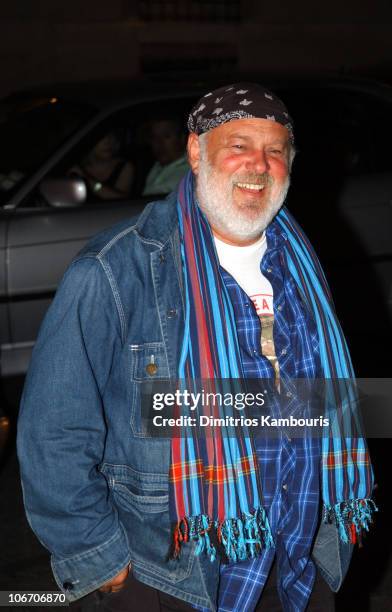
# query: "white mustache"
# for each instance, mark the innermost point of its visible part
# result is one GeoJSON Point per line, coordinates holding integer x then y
{"type": "Point", "coordinates": [256, 179]}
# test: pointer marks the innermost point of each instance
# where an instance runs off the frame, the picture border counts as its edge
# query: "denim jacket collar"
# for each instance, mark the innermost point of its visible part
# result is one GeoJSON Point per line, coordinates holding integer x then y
{"type": "Point", "coordinates": [158, 221]}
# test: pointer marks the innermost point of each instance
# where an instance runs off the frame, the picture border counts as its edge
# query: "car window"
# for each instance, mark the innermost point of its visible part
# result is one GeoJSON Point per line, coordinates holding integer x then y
{"type": "Point", "coordinates": [30, 133]}
{"type": "Point", "coordinates": [138, 151]}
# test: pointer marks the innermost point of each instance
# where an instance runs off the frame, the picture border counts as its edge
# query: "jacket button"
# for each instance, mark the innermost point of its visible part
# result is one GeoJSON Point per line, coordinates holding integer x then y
{"type": "Point", "coordinates": [68, 586]}
{"type": "Point", "coordinates": [151, 369]}
{"type": "Point", "coordinates": [172, 312]}
{"type": "Point", "coordinates": [162, 258]}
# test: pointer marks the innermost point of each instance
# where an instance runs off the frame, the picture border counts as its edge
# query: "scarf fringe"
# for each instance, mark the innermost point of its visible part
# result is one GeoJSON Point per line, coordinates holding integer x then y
{"type": "Point", "coordinates": [351, 518]}
{"type": "Point", "coordinates": [238, 538]}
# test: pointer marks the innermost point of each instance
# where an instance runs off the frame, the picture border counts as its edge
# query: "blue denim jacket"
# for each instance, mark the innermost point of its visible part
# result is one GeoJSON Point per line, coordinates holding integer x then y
{"type": "Point", "coordinates": [95, 487]}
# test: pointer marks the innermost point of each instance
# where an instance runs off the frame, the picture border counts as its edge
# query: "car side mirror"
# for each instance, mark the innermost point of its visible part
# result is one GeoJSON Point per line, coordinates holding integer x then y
{"type": "Point", "coordinates": [64, 192]}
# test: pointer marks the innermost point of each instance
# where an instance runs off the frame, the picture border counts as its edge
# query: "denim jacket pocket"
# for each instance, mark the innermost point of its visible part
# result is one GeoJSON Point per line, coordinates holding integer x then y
{"type": "Point", "coordinates": [140, 504]}
{"type": "Point", "coordinates": [136, 491]}
{"type": "Point", "coordinates": [149, 364]}
{"type": "Point", "coordinates": [142, 500]}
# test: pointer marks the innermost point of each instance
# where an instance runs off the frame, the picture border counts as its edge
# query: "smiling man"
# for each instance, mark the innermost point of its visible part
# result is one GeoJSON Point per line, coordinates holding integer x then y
{"type": "Point", "coordinates": [215, 282]}
{"type": "Point", "coordinates": [242, 170]}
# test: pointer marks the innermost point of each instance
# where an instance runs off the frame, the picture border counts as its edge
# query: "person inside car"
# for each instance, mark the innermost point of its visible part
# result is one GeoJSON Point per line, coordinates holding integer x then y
{"type": "Point", "coordinates": [107, 174]}
{"type": "Point", "coordinates": [167, 141]}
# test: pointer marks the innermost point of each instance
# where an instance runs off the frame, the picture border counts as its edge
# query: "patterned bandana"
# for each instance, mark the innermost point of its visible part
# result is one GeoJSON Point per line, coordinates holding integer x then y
{"type": "Point", "coordinates": [215, 487]}
{"type": "Point", "coordinates": [238, 101]}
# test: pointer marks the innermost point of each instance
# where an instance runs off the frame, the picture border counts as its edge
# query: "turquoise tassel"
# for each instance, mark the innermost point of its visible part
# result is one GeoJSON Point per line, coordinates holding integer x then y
{"type": "Point", "coordinates": [242, 538]}
{"type": "Point", "coordinates": [356, 512]}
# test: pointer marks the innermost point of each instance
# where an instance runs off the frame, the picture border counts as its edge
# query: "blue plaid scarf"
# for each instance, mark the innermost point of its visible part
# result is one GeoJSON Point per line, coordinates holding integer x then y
{"type": "Point", "coordinates": [215, 488]}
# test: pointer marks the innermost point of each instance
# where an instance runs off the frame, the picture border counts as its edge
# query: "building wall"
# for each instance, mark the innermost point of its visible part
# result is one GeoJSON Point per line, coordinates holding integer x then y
{"type": "Point", "coordinates": [45, 41]}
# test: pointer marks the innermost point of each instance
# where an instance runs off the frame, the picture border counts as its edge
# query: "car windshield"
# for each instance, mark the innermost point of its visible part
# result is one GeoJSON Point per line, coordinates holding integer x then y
{"type": "Point", "coordinates": [29, 133]}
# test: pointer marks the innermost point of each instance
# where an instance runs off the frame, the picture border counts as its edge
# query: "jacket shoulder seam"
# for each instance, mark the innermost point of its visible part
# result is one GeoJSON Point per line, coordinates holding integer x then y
{"type": "Point", "coordinates": [116, 294]}
{"type": "Point", "coordinates": [113, 241]}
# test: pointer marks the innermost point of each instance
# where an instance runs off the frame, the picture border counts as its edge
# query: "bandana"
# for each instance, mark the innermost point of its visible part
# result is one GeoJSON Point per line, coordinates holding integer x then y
{"type": "Point", "coordinates": [215, 487]}
{"type": "Point", "coordinates": [238, 101]}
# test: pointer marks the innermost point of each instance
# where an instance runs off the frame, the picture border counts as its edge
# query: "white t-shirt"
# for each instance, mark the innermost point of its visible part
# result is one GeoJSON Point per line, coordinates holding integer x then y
{"type": "Point", "coordinates": [243, 263]}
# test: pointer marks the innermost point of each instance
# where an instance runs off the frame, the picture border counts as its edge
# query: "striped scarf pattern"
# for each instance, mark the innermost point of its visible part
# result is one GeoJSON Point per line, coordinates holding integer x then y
{"type": "Point", "coordinates": [215, 488]}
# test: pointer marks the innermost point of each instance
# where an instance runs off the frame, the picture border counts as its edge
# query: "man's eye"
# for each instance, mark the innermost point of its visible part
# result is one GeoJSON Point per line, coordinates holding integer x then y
{"type": "Point", "coordinates": [276, 151]}
{"type": "Point", "coordinates": [238, 146]}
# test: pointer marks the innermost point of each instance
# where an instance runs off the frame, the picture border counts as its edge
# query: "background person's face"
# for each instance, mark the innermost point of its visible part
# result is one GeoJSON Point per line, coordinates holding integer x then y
{"type": "Point", "coordinates": [166, 142]}
{"type": "Point", "coordinates": [107, 147]}
{"type": "Point", "coordinates": [244, 177]}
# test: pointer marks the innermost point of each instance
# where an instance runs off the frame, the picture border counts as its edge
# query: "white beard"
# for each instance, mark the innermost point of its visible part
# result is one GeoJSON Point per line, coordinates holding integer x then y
{"type": "Point", "coordinates": [242, 221]}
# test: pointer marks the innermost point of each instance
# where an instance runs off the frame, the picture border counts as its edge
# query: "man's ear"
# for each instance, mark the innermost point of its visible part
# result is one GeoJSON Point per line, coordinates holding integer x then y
{"type": "Point", "coordinates": [193, 148]}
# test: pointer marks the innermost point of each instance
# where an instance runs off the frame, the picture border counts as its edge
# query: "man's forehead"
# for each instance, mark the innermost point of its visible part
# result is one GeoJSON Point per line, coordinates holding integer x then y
{"type": "Point", "coordinates": [251, 129]}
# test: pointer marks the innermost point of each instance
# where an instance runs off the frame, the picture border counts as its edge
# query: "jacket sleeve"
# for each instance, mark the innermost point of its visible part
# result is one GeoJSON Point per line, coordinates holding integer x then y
{"type": "Point", "coordinates": [61, 433]}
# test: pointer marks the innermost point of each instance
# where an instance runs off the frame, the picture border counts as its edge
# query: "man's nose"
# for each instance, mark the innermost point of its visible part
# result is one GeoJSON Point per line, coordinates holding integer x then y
{"type": "Point", "coordinates": [258, 162]}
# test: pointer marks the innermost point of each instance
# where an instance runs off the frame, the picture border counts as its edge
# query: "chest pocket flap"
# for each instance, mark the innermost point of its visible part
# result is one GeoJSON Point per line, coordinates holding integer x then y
{"type": "Point", "coordinates": [149, 362]}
